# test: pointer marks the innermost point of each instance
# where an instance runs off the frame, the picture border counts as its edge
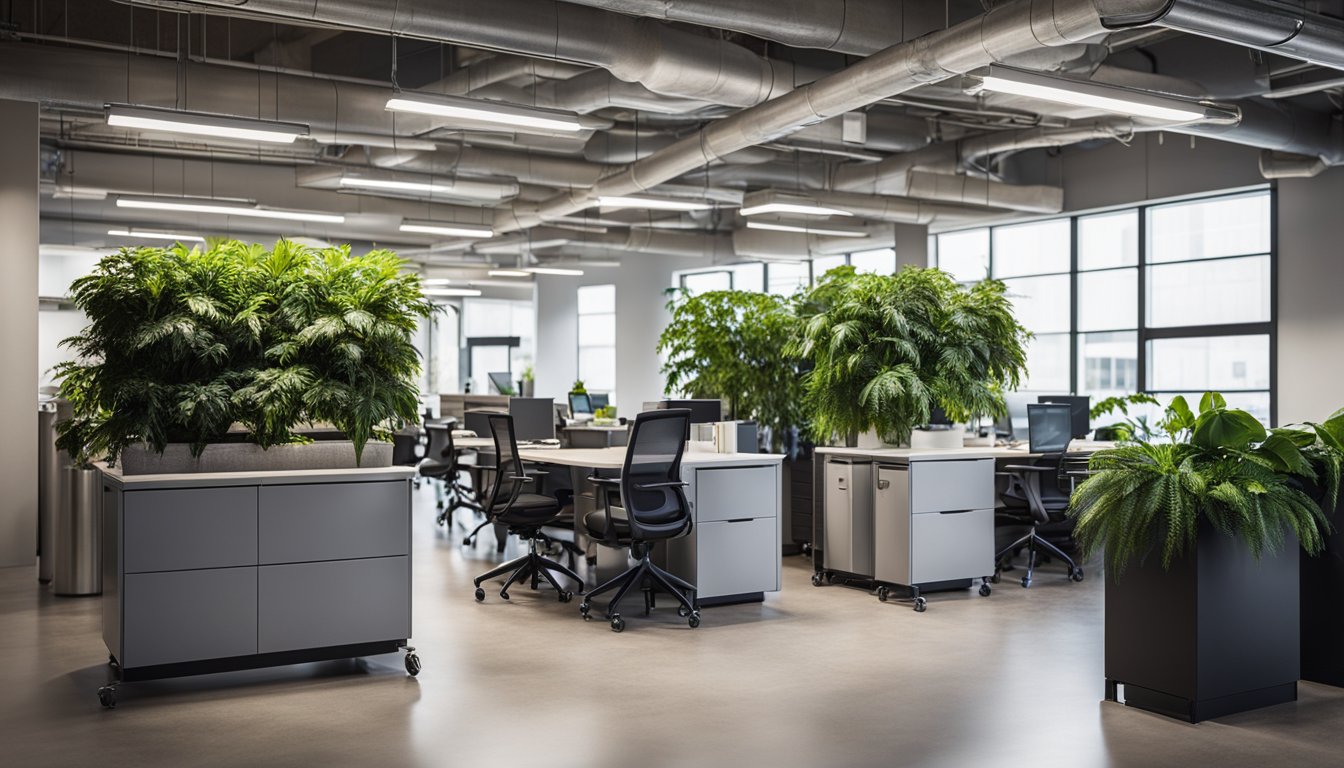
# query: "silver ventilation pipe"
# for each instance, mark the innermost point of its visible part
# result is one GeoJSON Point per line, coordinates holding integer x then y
{"type": "Point", "coordinates": [662, 58]}
{"type": "Point", "coordinates": [499, 68]}
{"type": "Point", "coordinates": [633, 240]}
{"type": "Point", "coordinates": [544, 170]}
{"type": "Point", "coordinates": [1277, 165]}
{"type": "Point", "coordinates": [973, 190]}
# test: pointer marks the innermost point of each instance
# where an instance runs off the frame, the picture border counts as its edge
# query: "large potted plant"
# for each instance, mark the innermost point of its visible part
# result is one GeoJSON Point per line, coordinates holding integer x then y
{"type": "Point", "coordinates": [1200, 529]}
{"type": "Point", "coordinates": [222, 358]}
{"type": "Point", "coordinates": [887, 349]}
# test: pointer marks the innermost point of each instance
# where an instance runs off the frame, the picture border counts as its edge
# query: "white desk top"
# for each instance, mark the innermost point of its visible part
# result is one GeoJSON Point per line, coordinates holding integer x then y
{"type": "Point", "coordinates": [614, 458]}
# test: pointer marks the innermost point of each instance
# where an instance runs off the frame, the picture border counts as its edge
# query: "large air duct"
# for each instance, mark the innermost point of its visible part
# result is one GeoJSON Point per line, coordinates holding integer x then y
{"type": "Point", "coordinates": [545, 170]}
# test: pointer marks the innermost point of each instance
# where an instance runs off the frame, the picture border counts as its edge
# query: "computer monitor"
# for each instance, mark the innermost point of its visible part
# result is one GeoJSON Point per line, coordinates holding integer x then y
{"type": "Point", "coordinates": [502, 381]}
{"type": "Point", "coordinates": [1014, 423]}
{"type": "Point", "coordinates": [580, 404]}
{"type": "Point", "coordinates": [702, 411]}
{"type": "Point", "coordinates": [478, 421]}
{"type": "Point", "coordinates": [1082, 411]}
{"type": "Point", "coordinates": [533, 418]}
{"type": "Point", "coordinates": [1051, 426]}
{"type": "Point", "coordinates": [599, 401]}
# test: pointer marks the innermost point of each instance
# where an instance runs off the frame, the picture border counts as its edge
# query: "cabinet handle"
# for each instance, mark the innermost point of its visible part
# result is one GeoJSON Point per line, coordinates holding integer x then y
{"type": "Point", "coordinates": [740, 520]}
{"type": "Point", "coordinates": [883, 485]}
{"type": "Point", "coordinates": [956, 512]}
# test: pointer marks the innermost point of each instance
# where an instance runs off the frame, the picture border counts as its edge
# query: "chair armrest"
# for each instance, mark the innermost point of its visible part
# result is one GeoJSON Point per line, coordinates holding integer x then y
{"type": "Point", "coordinates": [650, 486]}
{"type": "Point", "coordinates": [596, 480]}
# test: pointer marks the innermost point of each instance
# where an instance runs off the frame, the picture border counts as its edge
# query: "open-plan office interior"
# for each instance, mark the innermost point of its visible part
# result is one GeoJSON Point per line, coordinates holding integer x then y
{"type": "Point", "coordinates": [585, 383]}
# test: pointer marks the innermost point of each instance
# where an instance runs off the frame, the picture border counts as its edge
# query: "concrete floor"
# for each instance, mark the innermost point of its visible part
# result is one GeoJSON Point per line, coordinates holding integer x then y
{"type": "Point", "coordinates": [813, 677]}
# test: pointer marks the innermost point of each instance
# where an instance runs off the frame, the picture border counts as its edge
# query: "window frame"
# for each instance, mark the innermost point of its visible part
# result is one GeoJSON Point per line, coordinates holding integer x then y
{"type": "Point", "coordinates": [580, 346]}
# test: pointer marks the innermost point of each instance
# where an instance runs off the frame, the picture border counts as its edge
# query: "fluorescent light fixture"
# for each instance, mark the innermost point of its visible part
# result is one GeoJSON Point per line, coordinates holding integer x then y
{"type": "Point", "coordinates": [475, 190]}
{"type": "Point", "coordinates": [1083, 93]}
{"type": "Point", "coordinates": [149, 234]}
{"type": "Point", "coordinates": [203, 124]}
{"type": "Point", "coordinates": [435, 281]}
{"type": "Point", "coordinates": [440, 292]}
{"type": "Point", "coordinates": [521, 245]}
{"type": "Point", "coordinates": [225, 208]}
{"type": "Point", "coordinates": [509, 273]}
{"type": "Point", "coordinates": [483, 111]}
{"type": "Point", "coordinates": [770, 201]}
{"type": "Point", "coordinates": [652, 203]}
{"type": "Point", "coordinates": [554, 271]}
{"type": "Point", "coordinates": [808, 229]}
{"type": "Point", "coordinates": [446, 228]}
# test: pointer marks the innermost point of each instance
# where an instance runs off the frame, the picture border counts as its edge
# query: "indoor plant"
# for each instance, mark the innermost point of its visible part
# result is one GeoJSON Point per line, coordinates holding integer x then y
{"type": "Point", "coordinates": [887, 349]}
{"type": "Point", "coordinates": [1129, 427]}
{"type": "Point", "coordinates": [1199, 530]}
{"type": "Point", "coordinates": [237, 343]}
{"type": "Point", "coordinates": [527, 383]}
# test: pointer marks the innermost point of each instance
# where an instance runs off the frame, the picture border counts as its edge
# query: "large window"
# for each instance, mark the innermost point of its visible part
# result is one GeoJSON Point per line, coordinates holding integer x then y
{"type": "Point", "coordinates": [597, 338]}
{"type": "Point", "coordinates": [489, 328]}
{"type": "Point", "coordinates": [781, 278]}
{"type": "Point", "coordinates": [1174, 298]}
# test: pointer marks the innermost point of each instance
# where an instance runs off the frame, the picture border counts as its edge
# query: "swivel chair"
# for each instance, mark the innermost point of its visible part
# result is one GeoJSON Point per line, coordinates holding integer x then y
{"type": "Point", "coordinates": [653, 508]}
{"type": "Point", "coordinates": [1034, 495]}
{"type": "Point", "coordinates": [524, 514]}
{"type": "Point", "coordinates": [442, 465]}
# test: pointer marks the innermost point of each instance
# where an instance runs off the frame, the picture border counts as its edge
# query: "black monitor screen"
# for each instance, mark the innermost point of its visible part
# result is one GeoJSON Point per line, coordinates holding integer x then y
{"type": "Point", "coordinates": [580, 404]}
{"type": "Point", "coordinates": [502, 383]}
{"type": "Point", "coordinates": [1051, 427]}
{"type": "Point", "coordinates": [599, 401]}
{"type": "Point", "coordinates": [533, 418]}
{"type": "Point", "coordinates": [1082, 411]}
{"type": "Point", "coordinates": [702, 411]}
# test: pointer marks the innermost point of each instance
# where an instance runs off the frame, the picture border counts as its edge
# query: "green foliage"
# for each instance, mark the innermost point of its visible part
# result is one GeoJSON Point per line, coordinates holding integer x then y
{"type": "Point", "coordinates": [605, 412]}
{"type": "Point", "coordinates": [577, 388]}
{"type": "Point", "coordinates": [730, 345]}
{"type": "Point", "coordinates": [1219, 465]}
{"type": "Point", "coordinates": [184, 343]}
{"type": "Point", "coordinates": [885, 349]}
{"type": "Point", "coordinates": [529, 374]}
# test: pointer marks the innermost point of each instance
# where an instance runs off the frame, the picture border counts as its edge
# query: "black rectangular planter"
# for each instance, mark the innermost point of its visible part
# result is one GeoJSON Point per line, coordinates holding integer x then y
{"type": "Point", "coordinates": [1323, 610]}
{"type": "Point", "coordinates": [1216, 634]}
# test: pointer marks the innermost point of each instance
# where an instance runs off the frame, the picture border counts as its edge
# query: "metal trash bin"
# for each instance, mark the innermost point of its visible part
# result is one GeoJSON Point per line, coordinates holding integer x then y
{"type": "Point", "coordinates": [51, 463]}
{"type": "Point", "coordinates": [78, 534]}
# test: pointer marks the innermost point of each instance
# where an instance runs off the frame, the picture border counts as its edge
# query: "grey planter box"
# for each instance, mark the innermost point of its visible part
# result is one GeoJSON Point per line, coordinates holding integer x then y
{"type": "Point", "coordinates": [249, 457]}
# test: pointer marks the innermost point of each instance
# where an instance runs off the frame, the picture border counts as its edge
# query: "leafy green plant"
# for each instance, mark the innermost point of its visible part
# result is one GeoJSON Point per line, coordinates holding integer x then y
{"type": "Point", "coordinates": [184, 343]}
{"type": "Point", "coordinates": [729, 345]}
{"type": "Point", "coordinates": [529, 374]}
{"type": "Point", "coordinates": [1219, 465]}
{"type": "Point", "coordinates": [577, 388]}
{"type": "Point", "coordinates": [885, 349]}
{"type": "Point", "coordinates": [1128, 428]}
{"type": "Point", "coordinates": [605, 412]}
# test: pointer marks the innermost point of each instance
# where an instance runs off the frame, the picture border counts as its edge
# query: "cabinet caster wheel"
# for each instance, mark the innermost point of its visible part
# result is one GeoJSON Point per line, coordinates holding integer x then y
{"type": "Point", "coordinates": [984, 590]}
{"type": "Point", "coordinates": [1026, 582]}
{"type": "Point", "coordinates": [882, 594]}
{"type": "Point", "coordinates": [694, 620]}
{"type": "Point", "coordinates": [617, 623]}
{"type": "Point", "coordinates": [683, 611]}
{"type": "Point", "coordinates": [113, 663]}
{"type": "Point", "coordinates": [412, 664]}
{"type": "Point", "coordinates": [107, 696]}
{"type": "Point", "coordinates": [994, 579]}
{"type": "Point", "coordinates": [480, 595]}
{"type": "Point", "coordinates": [816, 580]}
{"type": "Point", "coordinates": [1076, 574]}
{"type": "Point", "coordinates": [921, 605]}
{"type": "Point", "coordinates": [565, 597]}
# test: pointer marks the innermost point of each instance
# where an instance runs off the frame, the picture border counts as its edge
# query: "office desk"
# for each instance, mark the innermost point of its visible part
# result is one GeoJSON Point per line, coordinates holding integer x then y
{"type": "Point", "coordinates": [590, 436]}
{"type": "Point", "coordinates": [732, 554]}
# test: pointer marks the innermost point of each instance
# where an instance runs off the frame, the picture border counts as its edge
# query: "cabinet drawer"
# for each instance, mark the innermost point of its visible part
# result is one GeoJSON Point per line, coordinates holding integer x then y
{"type": "Point", "coordinates": [314, 605]}
{"type": "Point", "coordinates": [189, 616]}
{"type": "Point", "coordinates": [956, 545]}
{"type": "Point", "coordinates": [737, 558]}
{"type": "Point", "coordinates": [190, 528]}
{"type": "Point", "coordinates": [951, 486]}
{"type": "Point", "coordinates": [338, 521]}
{"type": "Point", "coordinates": [736, 493]}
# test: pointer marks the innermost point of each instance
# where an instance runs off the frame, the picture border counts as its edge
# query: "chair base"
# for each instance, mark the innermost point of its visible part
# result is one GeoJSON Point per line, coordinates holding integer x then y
{"type": "Point", "coordinates": [1032, 542]}
{"type": "Point", "coordinates": [648, 577]}
{"type": "Point", "coordinates": [533, 565]}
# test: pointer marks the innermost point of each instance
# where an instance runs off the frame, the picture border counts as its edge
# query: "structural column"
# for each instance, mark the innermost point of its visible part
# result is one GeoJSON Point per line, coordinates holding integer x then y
{"type": "Point", "coordinates": [19, 157]}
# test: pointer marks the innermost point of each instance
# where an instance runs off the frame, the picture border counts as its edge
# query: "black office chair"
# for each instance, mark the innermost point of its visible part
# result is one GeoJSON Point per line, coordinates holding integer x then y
{"type": "Point", "coordinates": [1038, 494]}
{"type": "Point", "coordinates": [523, 513]}
{"type": "Point", "coordinates": [653, 508]}
{"type": "Point", "coordinates": [442, 464]}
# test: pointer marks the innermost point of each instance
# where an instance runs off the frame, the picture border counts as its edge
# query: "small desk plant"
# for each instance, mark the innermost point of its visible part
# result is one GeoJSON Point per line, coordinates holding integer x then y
{"type": "Point", "coordinates": [1200, 525]}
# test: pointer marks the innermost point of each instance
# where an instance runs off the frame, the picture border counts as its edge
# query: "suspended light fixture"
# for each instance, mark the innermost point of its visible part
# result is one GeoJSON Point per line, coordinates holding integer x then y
{"type": "Point", "coordinates": [151, 234]}
{"type": "Point", "coordinates": [773, 201]}
{"type": "Point", "coordinates": [447, 229]}
{"type": "Point", "coordinates": [480, 110]}
{"type": "Point", "coordinates": [554, 271]}
{"type": "Point", "coordinates": [509, 273]}
{"type": "Point", "coordinates": [652, 203]}
{"type": "Point", "coordinates": [445, 292]}
{"type": "Point", "coordinates": [225, 208]}
{"type": "Point", "coordinates": [203, 124]}
{"type": "Point", "coordinates": [809, 229]}
{"type": "Point", "coordinates": [1085, 93]}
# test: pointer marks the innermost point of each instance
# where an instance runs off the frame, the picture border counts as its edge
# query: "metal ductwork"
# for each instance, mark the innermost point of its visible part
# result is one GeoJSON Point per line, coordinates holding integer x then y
{"type": "Point", "coordinates": [766, 245]}
{"type": "Point", "coordinates": [1278, 165]}
{"type": "Point", "coordinates": [634, 240]}
{"type": "Point", "coordinates": [973, 190]}
{"type": "Point", "coordinates": [662, 58]}
{"type": "Point", "coordinates": [545, 170]}
{"type": "Point", "coordinates": [500, 68]}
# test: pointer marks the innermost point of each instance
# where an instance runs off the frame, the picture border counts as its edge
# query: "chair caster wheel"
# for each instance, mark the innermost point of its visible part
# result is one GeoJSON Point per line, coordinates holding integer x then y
{"type": "Point", "coordinates": [984, 590]}
{"type": "Point", "coordinates": [921, 605]}
{"type": "Point", "coordinates": [412, 664]}
{"type": "Point", "coordinates": [480, 595]}
{"type": "Point", "coordinates": [107, 696]}
{"type": "Point", "coordinates": [468, 541]}
{"type": "Point", "coordinates": [1026, 582]}
{"type": "Point", "coordinates": [816, 580]}
{"type": "Point", "coordinates": [882, 594]}
{"type": "Point", "coordinates": [683, 611]}
{"type": "Point", "coordinates": [112, 662]}
{"type": "Point", "coordinates": [1076, 574]}
{"type": "Point", "coordinates": [693, 620]}
{"type": "Point", "coordinates": [504, 595]}
{"type": "Point", "coordinates": [585, 610]}
{"type": "Point", "coordinates": [994, 579]}
{"type": "Point", "coordinates": [617, 623]}
{"type": "Point", "coordinates": [565, 597]}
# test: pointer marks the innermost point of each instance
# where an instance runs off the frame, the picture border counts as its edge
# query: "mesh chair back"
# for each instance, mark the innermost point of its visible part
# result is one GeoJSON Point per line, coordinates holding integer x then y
{"type": "Point", "coordinates": [653, 455]}
{"type": "Point", "coordinates": [440, 450]}
{"type": "Point", "coordinates": [508, 464]}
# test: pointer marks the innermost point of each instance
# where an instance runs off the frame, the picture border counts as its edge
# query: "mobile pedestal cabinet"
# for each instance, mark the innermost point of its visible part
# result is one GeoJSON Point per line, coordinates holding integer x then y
{"type": "Point", "coordinates": [214, 572]}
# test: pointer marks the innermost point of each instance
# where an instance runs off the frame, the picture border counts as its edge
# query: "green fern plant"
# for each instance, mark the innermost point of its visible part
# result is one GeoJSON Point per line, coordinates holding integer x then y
{"type": "Point", "coordinates": [1219, 465]}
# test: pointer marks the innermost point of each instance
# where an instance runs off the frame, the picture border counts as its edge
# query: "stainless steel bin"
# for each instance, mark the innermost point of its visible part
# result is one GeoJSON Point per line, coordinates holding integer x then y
{"type": "Point", "coordinates": [78, 534]}
{"type": "Point", "coordinates": [51, 463]}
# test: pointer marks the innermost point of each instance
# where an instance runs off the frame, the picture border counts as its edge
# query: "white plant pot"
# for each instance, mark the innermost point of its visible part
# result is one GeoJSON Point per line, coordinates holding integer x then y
{"type": "Point", "coordinates": [870, 441]}
{"type": "Point", "coordinates": [938, 439]}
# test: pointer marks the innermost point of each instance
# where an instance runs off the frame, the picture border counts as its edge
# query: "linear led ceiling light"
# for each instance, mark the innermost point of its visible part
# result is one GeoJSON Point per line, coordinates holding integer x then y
{"type": "Point", "coordinates": [652, 203]}
{"type": "Point", "coordinates": [203, 124]}
{"type": "Point", "coordinates": [150, 234]}
{"type": "Point", "coordinates": [809, 229]}
{"type": "Point", "coordinates": [225, 208]}
{"type": "Point", "coordinates": [483, 111]}
{"type": "Point", "coordinates": [435, 292]}
{"type": "Point", "coordinates": [554, 271]}
{"type": "Point", "coordinates": [771, 201]}
{"type": "Point", "coordinates": [509, 273]}
{"type": "Point", "coordinates": [446, 229]}
{"type": "Point", "coordinates": [1083, 93]}
{"type": "Point", "coordinates": [473, 190]}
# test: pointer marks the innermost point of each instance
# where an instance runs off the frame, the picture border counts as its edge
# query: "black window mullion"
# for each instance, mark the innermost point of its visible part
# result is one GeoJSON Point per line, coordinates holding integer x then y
{"type": "Point", "coordinates": [1141, 357]}
{"type": "Point", "coordinates": [1073, 305]}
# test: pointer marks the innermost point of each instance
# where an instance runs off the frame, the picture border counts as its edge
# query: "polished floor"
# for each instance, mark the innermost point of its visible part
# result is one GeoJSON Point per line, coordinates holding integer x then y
{"type": "Point", "coordinates": [813, 677]}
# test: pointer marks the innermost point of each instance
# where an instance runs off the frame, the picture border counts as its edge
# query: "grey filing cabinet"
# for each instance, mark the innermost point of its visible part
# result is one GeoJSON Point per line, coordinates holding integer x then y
{"type": "Point", "coordinates": [254, 569]}
{"type": "Point", "coordinates": [933, 525]}
{"type": "Point", "coordinates": [733, 552]}
{"type": "Point", "coordinates": [847, 545]}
